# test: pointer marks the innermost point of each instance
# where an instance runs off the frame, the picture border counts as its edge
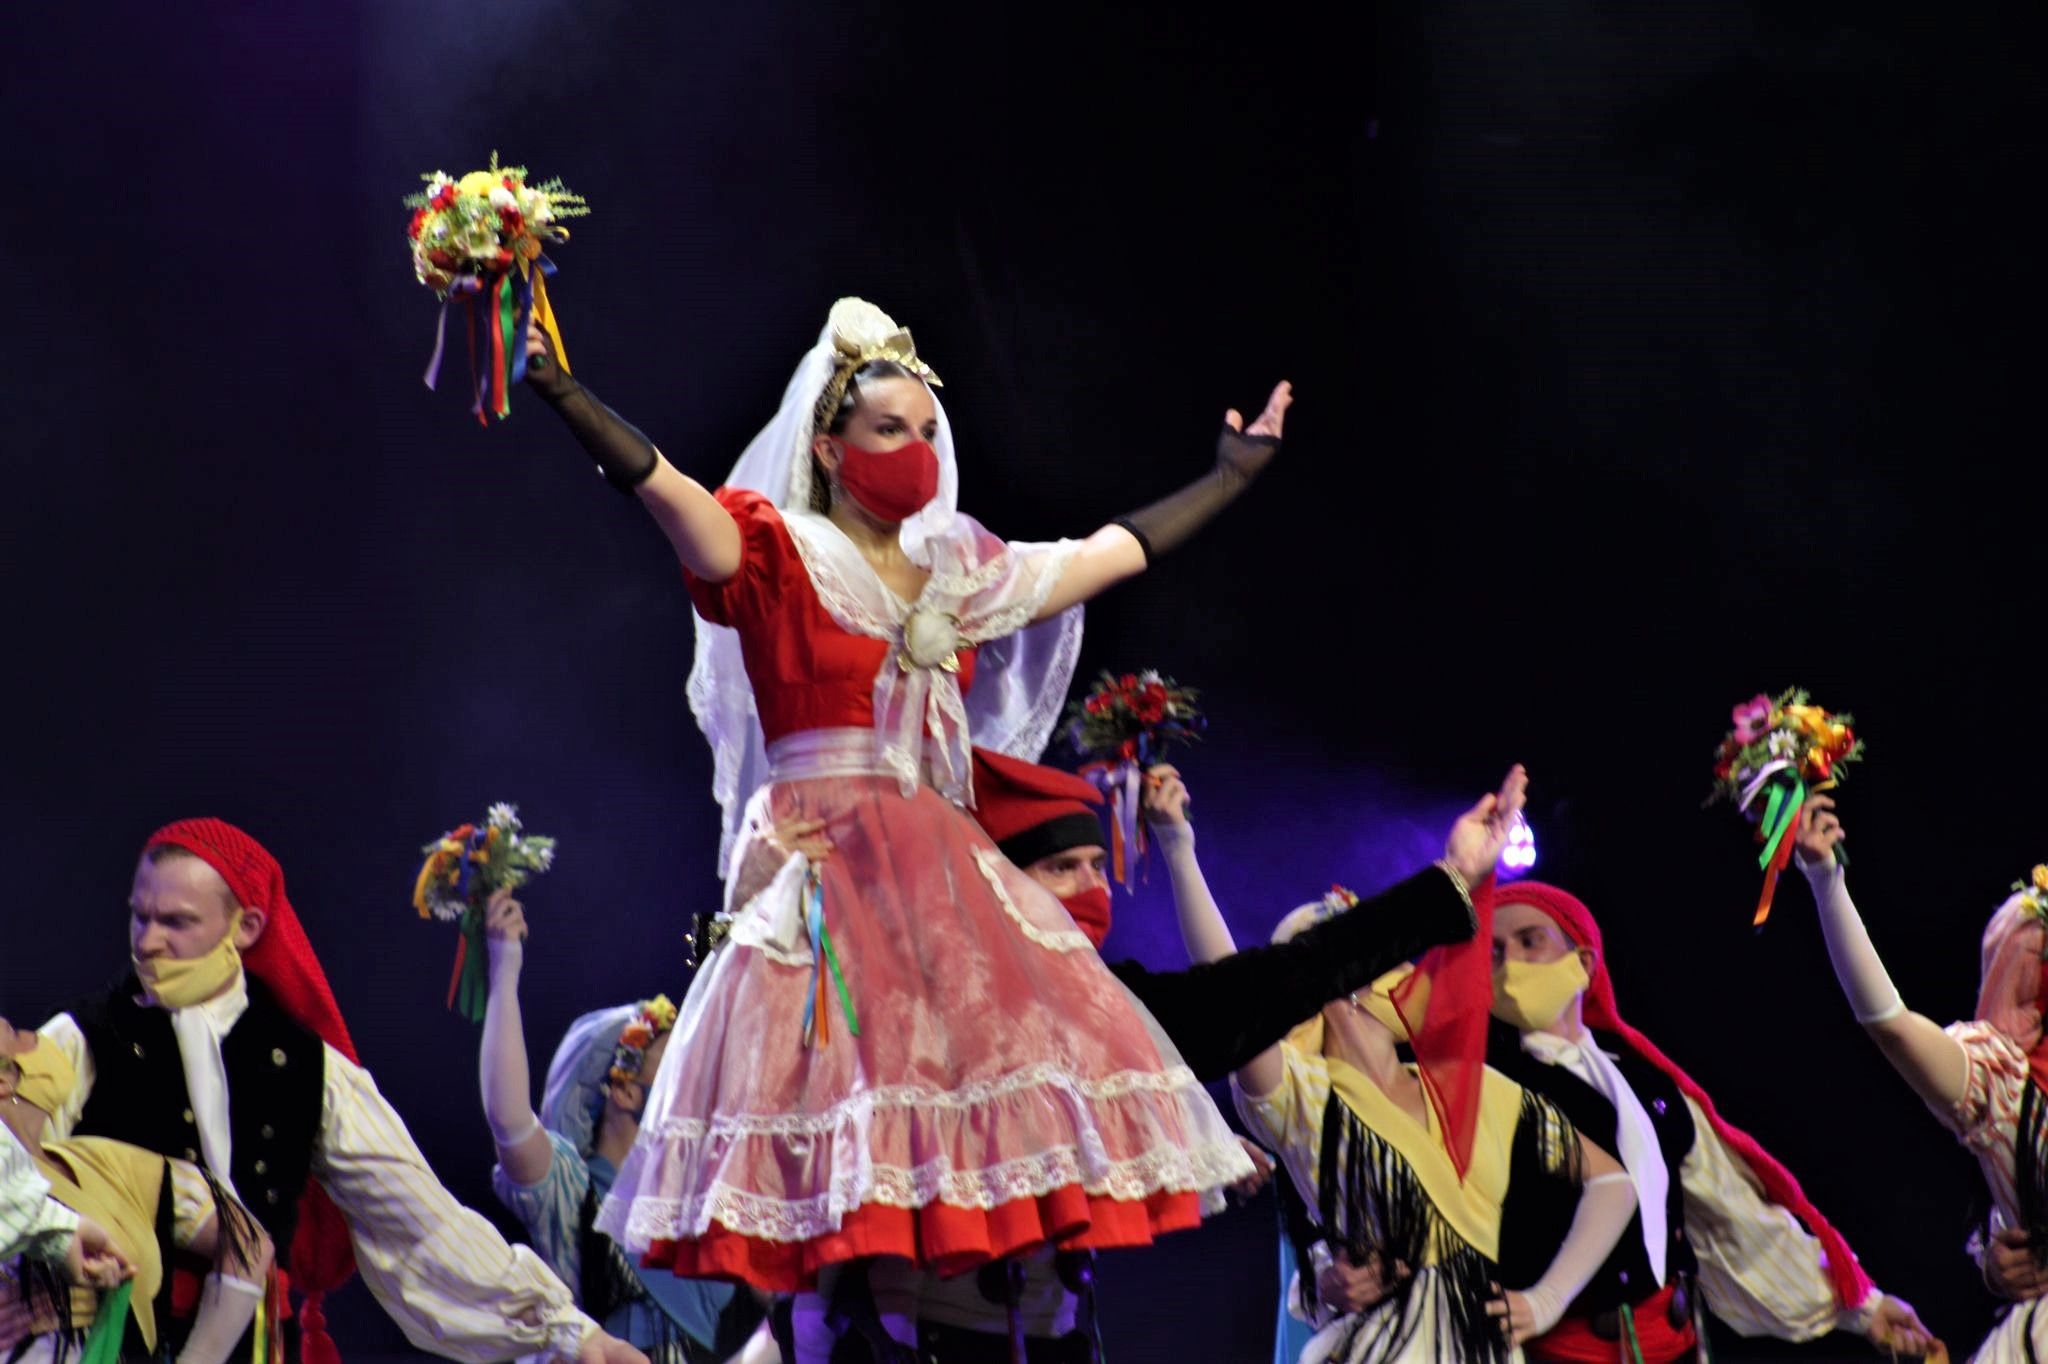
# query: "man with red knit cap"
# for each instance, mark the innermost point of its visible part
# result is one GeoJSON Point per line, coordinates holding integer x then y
{"type": "Point", "coordinates": [1222, 1013]}
{"type": "Point", "coordinates": [225, 1047]}
{"type": "Point", "coordinates": [1720, 1225]}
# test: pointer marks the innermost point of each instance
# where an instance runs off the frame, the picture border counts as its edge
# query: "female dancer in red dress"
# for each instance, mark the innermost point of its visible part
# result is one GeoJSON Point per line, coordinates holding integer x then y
{"type": "Point", "coordinates": [905, 1048]}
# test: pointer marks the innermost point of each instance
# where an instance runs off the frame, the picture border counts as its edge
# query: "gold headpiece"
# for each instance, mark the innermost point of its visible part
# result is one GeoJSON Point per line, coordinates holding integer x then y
{"type": "Point", "coordinates": [862, 332]}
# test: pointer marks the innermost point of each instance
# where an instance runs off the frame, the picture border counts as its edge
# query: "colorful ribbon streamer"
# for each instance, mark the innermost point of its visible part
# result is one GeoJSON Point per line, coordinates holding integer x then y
{"type": "Point", "coordinates": [502, 307]}
{"type": "Point", "coordinates": [1781, 813]}
{"type": "Point", "coordinates": [1119, 784]}
{"type": "Point", "coordinates": [824, 957]}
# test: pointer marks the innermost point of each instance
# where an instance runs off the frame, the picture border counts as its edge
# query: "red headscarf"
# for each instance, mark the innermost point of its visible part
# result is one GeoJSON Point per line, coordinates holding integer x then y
{"type": "Point", "coordinates": [321, 1258]}
{"type": "Point", "coordinates": [1851, 1284]}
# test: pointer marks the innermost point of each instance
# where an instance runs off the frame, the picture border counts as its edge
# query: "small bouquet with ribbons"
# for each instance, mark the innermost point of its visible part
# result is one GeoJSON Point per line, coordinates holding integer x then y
{"type": "Point", "coordinates": [1121, 727]}
{"type": "Point", "coordinates": [1781, 751]}
{"type": "Point", "coordinates": [465, 867]}
{"type": "Point", "coordinates": [477, 242]}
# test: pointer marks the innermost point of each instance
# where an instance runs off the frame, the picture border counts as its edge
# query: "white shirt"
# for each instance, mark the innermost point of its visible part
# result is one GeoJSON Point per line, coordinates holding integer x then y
{"type": "Point", "coordinates": [1761, 1272]}
{"type": "Point", "coordinates": [441, 1271]}
{"type": "Point", "coordinates": [31, 1223]}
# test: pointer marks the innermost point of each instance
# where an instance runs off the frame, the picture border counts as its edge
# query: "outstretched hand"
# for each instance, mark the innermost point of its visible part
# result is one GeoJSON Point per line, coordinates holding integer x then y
{"type": "Point", "coordinates": [1897, 1327]}
{"type": "Point", "coordinates": [1476, 840]}
{"type": "Point", "coordinates": [1820, 829]}
{"type": "Point", "coordinates": [1246, 452]}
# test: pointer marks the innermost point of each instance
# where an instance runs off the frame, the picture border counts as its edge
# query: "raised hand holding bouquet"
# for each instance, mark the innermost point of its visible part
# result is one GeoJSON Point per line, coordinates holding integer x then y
{"type": "Point", "coordinates": [1123, 726]}
{"type": "Point", "coordinates": [477, 241]}
{"type": "Point", "coordinates": [465, 867]}
{"type": "Point", "coordinates": [1780, 752]}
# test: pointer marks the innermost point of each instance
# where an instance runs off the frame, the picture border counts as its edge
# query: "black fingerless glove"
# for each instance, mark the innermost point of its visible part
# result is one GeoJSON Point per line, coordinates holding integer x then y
{"type": "Point", "coordinates": [1173, 520]}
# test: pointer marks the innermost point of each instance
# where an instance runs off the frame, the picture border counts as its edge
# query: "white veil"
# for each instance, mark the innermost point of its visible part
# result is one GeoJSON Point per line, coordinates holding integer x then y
{"type": "Point", "coordinates": [1021, 680]}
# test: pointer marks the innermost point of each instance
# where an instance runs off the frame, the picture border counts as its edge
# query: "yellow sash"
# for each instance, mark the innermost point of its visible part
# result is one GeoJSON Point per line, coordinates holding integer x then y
{"type": "Point", "coordinates": [117, 1186]}
{"type": "Point", "coordinates": [1471, 1206]}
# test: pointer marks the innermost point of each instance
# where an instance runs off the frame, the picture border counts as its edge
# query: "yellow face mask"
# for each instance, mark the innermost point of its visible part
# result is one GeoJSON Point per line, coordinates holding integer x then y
{"type": "Point", "coordinates": [47, 1077]}
{"type": "Point", "coordinates": [1533, 995]}
{"type": "Point", "coordinates": [177, 984]}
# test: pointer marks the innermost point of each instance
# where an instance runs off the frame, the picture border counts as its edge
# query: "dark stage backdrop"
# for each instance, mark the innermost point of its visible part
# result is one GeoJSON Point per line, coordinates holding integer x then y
{"type": "Point", "coordinates": [1647, 356]}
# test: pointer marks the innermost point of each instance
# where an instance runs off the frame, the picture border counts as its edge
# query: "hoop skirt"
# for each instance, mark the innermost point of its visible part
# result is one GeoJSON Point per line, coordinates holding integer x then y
{"type": "Point", "coordinates": [1002, 1090]}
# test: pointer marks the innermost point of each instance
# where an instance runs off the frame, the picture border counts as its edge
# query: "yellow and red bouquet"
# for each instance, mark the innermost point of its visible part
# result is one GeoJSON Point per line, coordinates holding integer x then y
{"type": "Point", "coordinates": [1781, 751]}
{"type": "Point", "coordinates": [477, 241]}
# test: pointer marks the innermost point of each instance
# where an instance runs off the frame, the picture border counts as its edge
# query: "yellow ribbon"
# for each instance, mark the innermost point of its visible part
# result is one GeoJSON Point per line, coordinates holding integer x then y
{"type": "Point", "coordinates": [544, 314]}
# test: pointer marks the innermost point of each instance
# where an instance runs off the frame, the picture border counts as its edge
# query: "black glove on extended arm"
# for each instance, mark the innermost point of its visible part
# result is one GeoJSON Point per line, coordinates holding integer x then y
{"type": "Point", "coordinates": [623, 454]}
{"type": "Point", "coordinates": [1173, 520]}
{"type": "Point", "coordinates": [1223, 1013]}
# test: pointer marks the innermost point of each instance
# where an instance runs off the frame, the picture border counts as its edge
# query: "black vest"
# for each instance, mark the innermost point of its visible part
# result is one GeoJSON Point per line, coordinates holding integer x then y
{"type": "Point", "coordinates": [276, 1069]}
{"type": "Point", "coordinates": [1533, 1226]}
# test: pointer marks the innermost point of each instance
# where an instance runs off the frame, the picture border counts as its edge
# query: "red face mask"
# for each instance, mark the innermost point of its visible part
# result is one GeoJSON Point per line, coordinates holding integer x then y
{"type": "Point", "coordinates": [1090, 909]}
{"type": "Point", "coordinates": [890, 485]}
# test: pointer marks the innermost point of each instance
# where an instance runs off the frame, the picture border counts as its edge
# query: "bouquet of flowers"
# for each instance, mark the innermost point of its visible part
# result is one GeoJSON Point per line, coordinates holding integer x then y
{"type": "Point", "coordinates": [464, 868]}
{"type": "Point", "coordinates": [477, 240]}
{"type": "Point", "coordinates": [1781, 751]}
{"type": "Point", "coordinates": [1122, 726]}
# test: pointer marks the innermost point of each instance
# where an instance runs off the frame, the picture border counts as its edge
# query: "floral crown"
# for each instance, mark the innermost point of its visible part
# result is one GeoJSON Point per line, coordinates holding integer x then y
{"type": "Point", "coordinates": [2034, 893]}
{"type": "Point", "coordinates": [862, 332]}
{"type": "Point", "coordinates": [1335, 901]}
{"type": "Point", "coordinates": [656, 1017]}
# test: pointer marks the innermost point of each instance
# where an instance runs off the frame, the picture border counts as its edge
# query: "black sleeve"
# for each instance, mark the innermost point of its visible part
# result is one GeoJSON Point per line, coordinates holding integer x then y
{"type": "Point", "coordinates": [1222, 1014]}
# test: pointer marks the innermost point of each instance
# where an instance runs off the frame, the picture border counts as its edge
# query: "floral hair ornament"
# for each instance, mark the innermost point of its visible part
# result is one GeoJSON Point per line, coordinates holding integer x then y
{"type": "Point", "coordinates": [1121, 727]}
{"type": "Point", "coordinates": [2034, 893]}
{"type": "Point", "coordinates": [655, 1018]}
{"type": "Point", "coordinates": [465, 867]}
{"type": "Point", "coordinates": [477, 240]}
{"type": "Point", "coordinates": [1781, 750]}
{"type": "Point", "coordinates": [862, 332]}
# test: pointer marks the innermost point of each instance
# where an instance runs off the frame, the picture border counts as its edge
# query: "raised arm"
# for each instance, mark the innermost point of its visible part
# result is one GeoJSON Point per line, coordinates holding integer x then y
{"type": "Point", "coordinates": [1127, 546]}
{"type": "Point", "coordinates": [1931, 1061]}
{"type": "Point", "coordinates": [702, 533]}
{"type": "Point", "coordinates": [1470, 852]}
{"type": "Point", "coordinates": [523, 1146]}
{"type": "Point", "coordinates": [1165, 805]}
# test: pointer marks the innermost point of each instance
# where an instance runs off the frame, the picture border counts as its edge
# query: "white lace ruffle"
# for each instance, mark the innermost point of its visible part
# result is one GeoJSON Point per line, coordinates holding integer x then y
{"type": "Point", "coordinates": [1053, 940]}
{"type": "Point", "coordinates": [1166, 1168]}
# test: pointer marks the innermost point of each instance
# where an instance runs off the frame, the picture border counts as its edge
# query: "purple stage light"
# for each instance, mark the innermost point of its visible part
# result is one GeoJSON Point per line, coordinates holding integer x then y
{"type": "Point", "coordinates": [1520, 853]}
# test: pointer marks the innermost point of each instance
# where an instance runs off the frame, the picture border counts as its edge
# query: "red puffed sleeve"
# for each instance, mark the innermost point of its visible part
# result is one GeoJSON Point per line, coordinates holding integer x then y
{"type": "Point", "coordinates": [768, 559]}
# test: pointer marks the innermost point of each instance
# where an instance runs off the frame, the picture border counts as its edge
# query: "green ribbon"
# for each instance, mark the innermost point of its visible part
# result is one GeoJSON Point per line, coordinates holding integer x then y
{"type": "Point", "coordinates": [1628, 1326]}
{"type": "Point", "coordinates": [845, 995]}
{"type": "Point", "coordinates": [508, 323]}
{"type": "Point", "coordinates": [109, 1327]}
{"type": "Point", "coordinates": [1778, 815]}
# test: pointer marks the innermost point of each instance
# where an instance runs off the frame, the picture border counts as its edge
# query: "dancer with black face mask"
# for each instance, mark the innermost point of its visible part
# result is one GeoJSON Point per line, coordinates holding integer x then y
{"type": "Point", "coordinates": [908, 1054]}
